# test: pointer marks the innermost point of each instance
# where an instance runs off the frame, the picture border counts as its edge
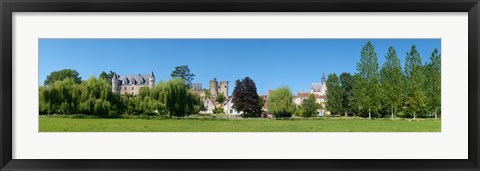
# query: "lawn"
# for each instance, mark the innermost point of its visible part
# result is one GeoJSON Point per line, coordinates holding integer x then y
{"type": "Point", "coordinates": [59, 124]}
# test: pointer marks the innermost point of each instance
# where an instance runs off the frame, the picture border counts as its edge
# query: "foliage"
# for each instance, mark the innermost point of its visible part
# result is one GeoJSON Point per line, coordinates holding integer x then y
{"type": "Point", "coordinates": [334, 94]}
{"type": "Point", "coordinates": [219, 110]}
{"type": "Point", "coordinates": [368, 69]}
{"type": "Point", "coordinates": [280, 102]}
{"type": "Point", "coordinates": [220, 98]}
{"type": "Point", "coordinates": [95, 97]}
{"type": "Point", "coordinates": [245, 98]}
{"type": "Point", "coordinates": [106, 76]}
{"type": "Point", "coordinates": [433, 83]}
{"type": "Point", "coordinates": [414, 78]}
{"type": "Point", "coordinates": [184, 73]}
{"type": "Point", "coordinates": [63, 74]}
{"type": "Point", "coordinates": [310, 106]}
{"type": "Point", "coordinates": [391, 80]}
{"type": "Point", "coordinates": [346, 84]}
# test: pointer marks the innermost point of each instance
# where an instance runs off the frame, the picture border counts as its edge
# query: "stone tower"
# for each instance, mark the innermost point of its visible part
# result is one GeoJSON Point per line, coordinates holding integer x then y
{"type": "Point", "coordinates": [223, 88]}
{"type": "Point", "coordinates": [151, 80]}
{"type": "Point", "coordinates": [213, 87]}
{"type": "Point", "coordinates": [115, 83]}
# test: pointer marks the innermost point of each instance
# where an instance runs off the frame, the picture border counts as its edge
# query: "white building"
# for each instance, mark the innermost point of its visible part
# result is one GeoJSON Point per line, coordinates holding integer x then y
{"type": "Point", "coordinates": [319, 88]}
{"type": "Point", "coordinates": [229, 110]}
{"type": "Point", "coordinates": [209, 106]}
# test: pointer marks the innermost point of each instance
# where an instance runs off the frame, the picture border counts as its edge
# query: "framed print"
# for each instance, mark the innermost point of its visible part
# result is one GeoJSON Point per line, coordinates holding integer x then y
{"type": "Point", "coordinates": [228, 85]}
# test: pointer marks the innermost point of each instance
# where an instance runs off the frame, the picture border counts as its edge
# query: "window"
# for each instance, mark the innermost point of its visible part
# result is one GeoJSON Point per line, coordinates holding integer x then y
{"type": "Point", "coordinates": [133, 93]}
{"type": "Point", "coordinates": [124, 88]}
{"type": "Point", "coordinates": [133, 88]}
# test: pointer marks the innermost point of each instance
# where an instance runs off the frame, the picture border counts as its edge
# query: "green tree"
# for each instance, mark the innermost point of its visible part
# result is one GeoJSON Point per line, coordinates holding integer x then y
{"type": "Point", "coordinates": [334, 94]}
{"type": "Point", "coordinates": [220, 98]}
{"type": "Point", "coordinates": [184, 73]}
{"type": "Point", "coordinates": [368, 69]}
{"type": "Point", "coordinates": [310, 106]}
{"type": "Point", "coordinates": [415, 95]}
{"type": "Point", "coordinates": [346, 82]}
{"type": "Point", "coordinates": [280, 102]}
{"type": "Point", "coordinates": [106, 76]}
{"type": "Point", "coordinates": [61, 75]}
{"type": "Point", "coordinates": [391, 80]}
{"type": "Point", "coordinates": [358, 94]}
{"type": "Point", "coordinates": [433, 83]}
{"type": "Point", "coordinates": [245, 98]}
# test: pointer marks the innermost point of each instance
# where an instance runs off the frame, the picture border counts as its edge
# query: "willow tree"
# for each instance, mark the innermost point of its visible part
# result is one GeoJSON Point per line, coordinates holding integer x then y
{"type": "Point", "coordinates": [280, 102]}
{"type": "Point", "coordinates": [414, 79]}
{"type": "Point", "coordinates": [368, 69]}
{"type": "Point", "coordinates": [391, 79]}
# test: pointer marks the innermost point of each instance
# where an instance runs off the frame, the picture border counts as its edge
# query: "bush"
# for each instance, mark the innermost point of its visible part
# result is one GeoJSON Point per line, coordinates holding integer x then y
{"type": "Point", "coordinates": [219, 110]}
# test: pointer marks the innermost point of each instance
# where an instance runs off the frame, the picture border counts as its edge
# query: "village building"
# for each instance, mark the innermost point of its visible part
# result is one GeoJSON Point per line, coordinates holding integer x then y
{"type": "Point", "coordinates": [228, 108]}
{"type": "Point", "coordinates": [319, 90]}
{"type": "Point", "coordinates": [131, 84]}
{"type": "Point", "coordinates": [209, 105]}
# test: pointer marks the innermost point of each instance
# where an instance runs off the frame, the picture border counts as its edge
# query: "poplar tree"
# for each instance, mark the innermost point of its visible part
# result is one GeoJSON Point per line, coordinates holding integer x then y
{"type": "Point", "coordinates": [368, 70]}
{"type": "Point", "coordinates": [433, 82]}
{"type": "Point", "coordinates": [346, 82]}
{"type": "Point", "coordinates": [334, 94]}
{"type": "Point", "coordinates": [358, 93]}
{"type": "Point", "coordinates": [391, 79]}
{"type": "Point", "coordinates": [415, 95]}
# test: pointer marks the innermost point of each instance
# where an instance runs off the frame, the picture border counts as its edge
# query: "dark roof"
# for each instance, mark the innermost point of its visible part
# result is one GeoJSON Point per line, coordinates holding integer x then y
{"type": "Point", "coordinates": [134, 79]}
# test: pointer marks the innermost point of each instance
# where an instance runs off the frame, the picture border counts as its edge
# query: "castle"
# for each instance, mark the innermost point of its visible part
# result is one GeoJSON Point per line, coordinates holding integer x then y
{"type": "Point", "coordinates": [216, 88]}
{"type": "Point", "coordinates": [131, 84]}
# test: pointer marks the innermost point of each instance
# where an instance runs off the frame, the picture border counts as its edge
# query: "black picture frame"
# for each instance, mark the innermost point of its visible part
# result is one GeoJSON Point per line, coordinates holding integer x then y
{"type": "Point", "coordinates": [7, 7]}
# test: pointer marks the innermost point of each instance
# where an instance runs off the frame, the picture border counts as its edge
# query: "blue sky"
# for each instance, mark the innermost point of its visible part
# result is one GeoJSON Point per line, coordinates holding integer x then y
{"type": "Point", "coordinates": [271, 63]}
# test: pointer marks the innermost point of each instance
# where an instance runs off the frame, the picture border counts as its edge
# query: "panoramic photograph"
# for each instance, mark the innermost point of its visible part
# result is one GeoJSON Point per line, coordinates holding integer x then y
{"type": "Point", "coordinates": [239, 85]}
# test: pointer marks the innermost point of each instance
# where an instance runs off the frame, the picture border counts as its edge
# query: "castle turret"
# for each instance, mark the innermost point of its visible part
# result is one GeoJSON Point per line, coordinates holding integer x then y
{"type": "Point", "coordinates": [151, 80]}
{"type": "Point", "coordinates": [223, 88]}
{"type": "Point", "coordinates": [115, 83]}
{"type": "Point", "coordinates": [213, 87]}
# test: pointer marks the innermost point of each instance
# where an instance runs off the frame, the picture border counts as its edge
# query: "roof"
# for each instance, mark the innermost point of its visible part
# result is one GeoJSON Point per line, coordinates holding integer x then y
{"type": "Point", "coordinates": [303, 94]}
{"type": "Point", "coordinates": [197, 86]}
{"type": "Point", "coordinates": [134, 79]}
{"type": "Point", "coordinates": [316, 86]}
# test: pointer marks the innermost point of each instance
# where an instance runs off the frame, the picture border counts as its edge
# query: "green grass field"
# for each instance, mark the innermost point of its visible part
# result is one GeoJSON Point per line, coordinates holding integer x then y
{"type": "Point", "coordinates": [59, 124]}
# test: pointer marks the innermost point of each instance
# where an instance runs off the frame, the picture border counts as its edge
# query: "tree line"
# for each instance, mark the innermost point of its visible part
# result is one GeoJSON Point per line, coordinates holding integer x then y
{"type": "Point", "coordinates": [63, 92]}
{"type": "Point", "coordinates": [412, 91]}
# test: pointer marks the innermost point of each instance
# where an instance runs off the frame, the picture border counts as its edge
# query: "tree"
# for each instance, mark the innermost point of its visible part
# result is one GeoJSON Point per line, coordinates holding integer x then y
{"type": "Point", "coordinates": [106, 76]}
{"type": "Point", "coordinates": [334, 94]}
{"type": "Point", "coordinates": [220, 98]}
{"type": "Point", "coordinates": [358, 93]}
{"type": "Point", "coordinates": [346, 83]}
{"type": "Point", "coordinates": [61, 75]}
{"type": "Point", "coordinates": [433, 82]}
{"type": "Point", "coordinates": [184, 73]}
{"type": "Point", "coordinates": [391, 80]}
{"type": "Point", "coordinates": [245, 98]}
{"type": "Point", "coordinates": [415, 95]}
{"type": "Point", "coordinates": [368, 70]}
{"type": "Point", "coordinates": [280, 102]}
{"type": "Point", "coordinates": [310, 106]}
